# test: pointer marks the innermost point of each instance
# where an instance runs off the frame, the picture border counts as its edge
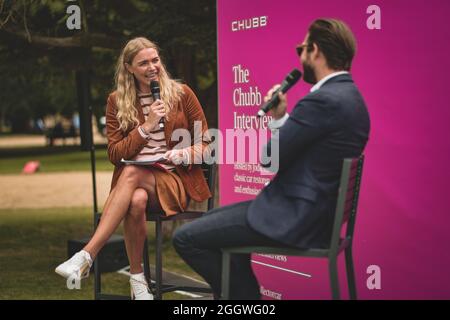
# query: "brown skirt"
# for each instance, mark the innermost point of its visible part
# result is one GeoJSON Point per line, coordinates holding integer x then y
{"type": "Point", "coordinates": [170, 192]}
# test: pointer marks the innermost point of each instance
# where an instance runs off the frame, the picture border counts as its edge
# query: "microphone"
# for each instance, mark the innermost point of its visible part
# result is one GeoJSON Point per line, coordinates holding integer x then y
{"type": "Point", "coordinates": [287, 83]}
{"type": "Point", "coordinates": [154, 88]}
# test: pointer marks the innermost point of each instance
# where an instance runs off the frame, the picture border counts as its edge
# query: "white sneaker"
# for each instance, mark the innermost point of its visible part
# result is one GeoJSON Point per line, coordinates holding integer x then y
{"type": "Point", "coordinates": [79, 265]}
{"type": "Point", "coordinates": [139, 288]}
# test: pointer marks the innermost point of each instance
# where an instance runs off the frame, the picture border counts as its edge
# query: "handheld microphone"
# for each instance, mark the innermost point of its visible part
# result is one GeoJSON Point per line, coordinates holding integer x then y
{"type": "Point", "coordinates": [154, 88]}
{"type": "Point", "coordinates": [287, 83]}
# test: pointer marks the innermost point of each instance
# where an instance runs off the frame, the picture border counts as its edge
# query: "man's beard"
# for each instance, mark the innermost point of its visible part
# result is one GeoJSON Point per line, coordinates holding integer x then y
{"type": "Point", "coordinates": [309, 76]}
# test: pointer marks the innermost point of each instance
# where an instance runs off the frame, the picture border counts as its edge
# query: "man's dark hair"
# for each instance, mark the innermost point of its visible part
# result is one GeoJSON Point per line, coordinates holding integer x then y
{"type": "Point", "coordinates": [335, 40]}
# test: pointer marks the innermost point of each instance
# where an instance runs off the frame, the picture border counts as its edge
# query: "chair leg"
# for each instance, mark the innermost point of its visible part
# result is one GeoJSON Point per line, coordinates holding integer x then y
{"type": "Point", "coordinates": [146, 263]}
{"type": "Point", "coordinates": [350, 273]}
{"type": "Point", "coordinates": [97, 273]}
{"type": "Point", "coordinates": [225, 276]}
{"type": "Point", "coordinates": [158, 264]}
{"type": "Point", "coordinates": [334, 279]}
{"type": "Point", "coordinates": [97, 280]}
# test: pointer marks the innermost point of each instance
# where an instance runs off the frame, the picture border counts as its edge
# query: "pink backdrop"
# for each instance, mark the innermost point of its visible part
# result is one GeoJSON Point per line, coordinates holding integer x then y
{"type": "Point", "coordinates": [402, 70]}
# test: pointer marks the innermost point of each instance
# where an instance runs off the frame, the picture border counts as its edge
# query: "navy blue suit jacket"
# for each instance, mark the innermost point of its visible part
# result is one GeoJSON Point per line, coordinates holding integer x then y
{"type": "Point", "coordinates": [298, 207]}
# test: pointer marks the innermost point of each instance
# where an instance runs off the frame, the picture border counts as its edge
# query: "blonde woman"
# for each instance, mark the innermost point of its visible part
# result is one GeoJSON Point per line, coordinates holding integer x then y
{"type": "Point", "coordinates": [132, 122]}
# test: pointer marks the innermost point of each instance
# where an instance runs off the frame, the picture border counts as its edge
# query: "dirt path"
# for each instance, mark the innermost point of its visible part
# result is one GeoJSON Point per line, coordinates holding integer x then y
{"type": "Point", "coordinates": [59, 190]}
{"type": "Point", "coordinates": [47, 190]}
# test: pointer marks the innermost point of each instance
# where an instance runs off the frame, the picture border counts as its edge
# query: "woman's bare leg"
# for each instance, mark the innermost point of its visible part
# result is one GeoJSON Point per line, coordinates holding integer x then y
{"type": "Point", "coordinates": [108, 200]}
{"type": "Point", "coordinates": [131, 178]}
{"type": "Point", "coordinates": [135, 229]}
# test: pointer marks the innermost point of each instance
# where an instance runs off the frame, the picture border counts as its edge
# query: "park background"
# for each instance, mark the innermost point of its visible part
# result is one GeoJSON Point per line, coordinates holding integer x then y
{"type": "Point", "coordinates": [46, 70]}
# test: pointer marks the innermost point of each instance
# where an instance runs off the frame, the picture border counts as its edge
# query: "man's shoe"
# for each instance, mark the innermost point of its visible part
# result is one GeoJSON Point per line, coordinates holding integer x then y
{"type": "Point", "coordinates": [139, 288]}
{"type": "Point", "coordinates": [78, 266]}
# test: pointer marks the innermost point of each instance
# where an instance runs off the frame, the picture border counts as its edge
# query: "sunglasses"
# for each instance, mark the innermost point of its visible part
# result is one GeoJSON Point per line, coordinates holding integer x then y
{"type": "Point", "coordinates": [300, 48]}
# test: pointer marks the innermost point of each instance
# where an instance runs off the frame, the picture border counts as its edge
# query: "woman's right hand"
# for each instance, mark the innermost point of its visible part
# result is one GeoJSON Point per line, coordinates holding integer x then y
{"type": "Point", "coordinates": [157, 110]}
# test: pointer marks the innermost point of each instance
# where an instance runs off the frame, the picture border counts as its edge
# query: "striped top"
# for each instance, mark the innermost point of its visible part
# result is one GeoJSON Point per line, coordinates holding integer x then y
{"type": "Point", "coordinates": [156, 146]}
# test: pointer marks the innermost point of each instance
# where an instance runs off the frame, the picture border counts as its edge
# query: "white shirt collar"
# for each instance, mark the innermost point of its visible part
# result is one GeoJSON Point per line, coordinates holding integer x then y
{"type": "Point", "coordinates": [325, 79]}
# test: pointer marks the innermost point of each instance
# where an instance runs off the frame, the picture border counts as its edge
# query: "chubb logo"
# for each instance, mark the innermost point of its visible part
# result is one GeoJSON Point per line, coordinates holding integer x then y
{"type": "Point", "coordinates": [250, 23]}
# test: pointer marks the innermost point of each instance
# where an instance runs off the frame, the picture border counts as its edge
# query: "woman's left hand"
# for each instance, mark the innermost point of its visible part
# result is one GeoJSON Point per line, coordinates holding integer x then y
{"type": "Point", "coordinates": [177, 157]}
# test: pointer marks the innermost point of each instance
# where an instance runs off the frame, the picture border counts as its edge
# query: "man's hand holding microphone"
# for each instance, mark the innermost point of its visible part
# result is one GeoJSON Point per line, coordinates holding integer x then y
{"type": "Point", "coordinates": [275, 100]}
{"type": "Point", "coordinates": [279, 110]}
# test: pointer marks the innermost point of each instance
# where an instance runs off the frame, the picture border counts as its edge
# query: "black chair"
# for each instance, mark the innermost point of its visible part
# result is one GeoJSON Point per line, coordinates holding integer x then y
{"type": "Point", "coordinates": [159, 287]}
{"type": "Point", "coordinates": [346, 208]}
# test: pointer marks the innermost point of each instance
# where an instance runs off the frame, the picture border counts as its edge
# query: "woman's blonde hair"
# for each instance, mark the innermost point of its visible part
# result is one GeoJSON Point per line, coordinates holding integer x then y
{"type": "Point", "coordinates": [126, 95]}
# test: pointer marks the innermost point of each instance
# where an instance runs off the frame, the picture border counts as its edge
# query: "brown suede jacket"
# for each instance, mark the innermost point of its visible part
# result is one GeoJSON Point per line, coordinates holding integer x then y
{"type": "Point", "coordinates": [128, 144]}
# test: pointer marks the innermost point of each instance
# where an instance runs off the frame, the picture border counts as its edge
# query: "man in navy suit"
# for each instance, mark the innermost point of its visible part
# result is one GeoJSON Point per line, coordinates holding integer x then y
{"type": "Point", "coordinates": [297, 208]}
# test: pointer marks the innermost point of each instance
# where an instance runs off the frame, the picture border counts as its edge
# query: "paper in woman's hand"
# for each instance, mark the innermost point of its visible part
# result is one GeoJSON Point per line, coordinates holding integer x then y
{"type": "Point", "coordinates": [144, 162]}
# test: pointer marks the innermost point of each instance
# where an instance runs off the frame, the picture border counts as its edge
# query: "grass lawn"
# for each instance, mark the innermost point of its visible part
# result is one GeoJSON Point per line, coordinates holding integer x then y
{"type": "Point", "coordinates": [34, 242]}
{"type": "Point", "coordinates": [53, 159]}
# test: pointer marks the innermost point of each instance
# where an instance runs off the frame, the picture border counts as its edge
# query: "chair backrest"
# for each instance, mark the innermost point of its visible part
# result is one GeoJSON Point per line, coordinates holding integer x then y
{"type": "Point", "coordinates": [347, 201]}
{"type": "Point", "coordinates": [209, 171]}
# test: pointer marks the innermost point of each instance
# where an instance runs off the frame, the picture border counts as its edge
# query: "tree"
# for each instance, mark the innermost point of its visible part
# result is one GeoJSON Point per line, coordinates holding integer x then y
{"type": "Point", "coordinates": [40, 54]}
